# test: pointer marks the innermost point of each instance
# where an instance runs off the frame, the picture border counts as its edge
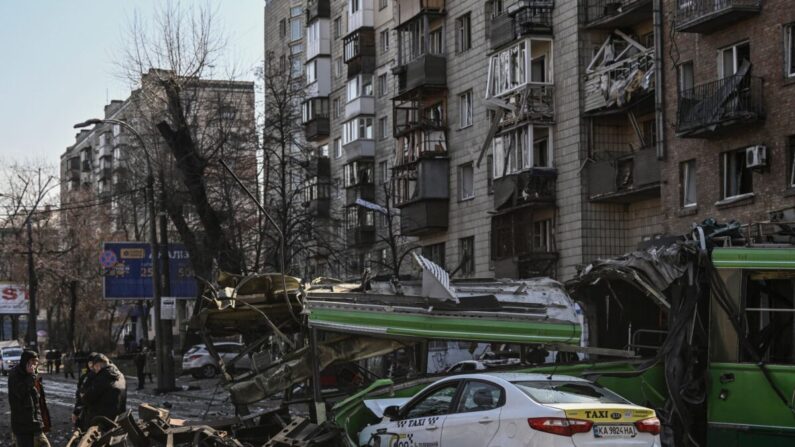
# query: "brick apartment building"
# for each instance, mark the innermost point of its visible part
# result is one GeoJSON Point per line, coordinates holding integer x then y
{"type": "Point", "coordinates": [730, 111]}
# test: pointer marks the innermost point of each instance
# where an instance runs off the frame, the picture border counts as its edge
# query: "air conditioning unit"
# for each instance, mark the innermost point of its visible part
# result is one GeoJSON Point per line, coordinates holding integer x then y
{"type": "Point", "coordinates": [756, 156]}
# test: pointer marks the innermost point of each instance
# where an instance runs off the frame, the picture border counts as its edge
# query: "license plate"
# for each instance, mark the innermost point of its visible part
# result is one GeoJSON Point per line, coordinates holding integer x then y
{"type": "Point", "coordinates": [614, 431]}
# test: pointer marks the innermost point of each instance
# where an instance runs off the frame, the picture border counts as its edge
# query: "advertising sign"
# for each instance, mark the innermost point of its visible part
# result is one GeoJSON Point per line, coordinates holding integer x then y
{"type": "Point", "coordinates": [127, 271]}
{"type": "Point", "coordinates": [13, 299]}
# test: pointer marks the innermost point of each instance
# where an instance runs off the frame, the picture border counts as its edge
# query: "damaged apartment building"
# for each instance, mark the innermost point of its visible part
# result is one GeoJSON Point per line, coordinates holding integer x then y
{"type": "Point", "coordinates": [511, 139]}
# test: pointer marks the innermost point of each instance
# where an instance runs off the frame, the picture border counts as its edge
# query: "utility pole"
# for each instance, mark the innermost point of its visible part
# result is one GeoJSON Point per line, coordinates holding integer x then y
{"type": "Point", "coordinates": [72, 310]}
{"type": "Point", "coordinates": [156, 290]}
{"type": "Point", "coordinates": [32, 285]}
{"type": "Point", "coordinates": [167, 331]}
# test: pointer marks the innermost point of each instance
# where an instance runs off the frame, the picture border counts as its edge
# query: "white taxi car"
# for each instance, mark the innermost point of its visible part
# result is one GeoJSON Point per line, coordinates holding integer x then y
{"type": "Point", "coordinates": [512, 410]}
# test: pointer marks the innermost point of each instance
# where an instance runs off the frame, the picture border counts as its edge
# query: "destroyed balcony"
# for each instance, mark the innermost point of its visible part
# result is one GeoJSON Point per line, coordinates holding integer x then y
{"type": "Point", "coordinates": [535, 186]}
{"type": "Point", "coordinates": [422, 193]}
{"type": "Point", "coordinates": [317, 128]}
{"type": "Point", "coordinates": [364, 191]}
{"type": "Point", "coordinates": [528, 17]}
{"type": "Point", "coordinates": [609, 14]}
{"type": "Point", "coordinates": [426, 72]}
{"type": "Point", "coordinates": [361, 235]}
{"type": "Point", "coordinates": [318, 9]}
{"type": "Point", "coordinates": [706, 16]}
{"type": "Point", "coordinates": [615, 86]}
{"type": "Point", "coordinates": [409, 9]}
{"type": "Point", "coordinates": [359, 52]}
{"type": "Point", "coordinates": [625, 178]}
{"type": "Point", "coordinates": [523, 244]}
{"type": "Point", "coordinates": [706, 110]}
{"type": "Point", "coordinates": [534, 103]}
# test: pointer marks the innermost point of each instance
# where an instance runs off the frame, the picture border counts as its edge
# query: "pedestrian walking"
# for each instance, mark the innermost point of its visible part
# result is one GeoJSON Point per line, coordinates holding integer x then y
{"type": "Point", "coordinates": [69, 365]}
{"type": "Point", "coordinates": [106, 393]}
{"type": "Point", "coordinates": [151, 361]}
{"type": "Point", "coordinates": [25, 399]}
{"type": "Point", "coordinates": [56, 357]}
{"type": "Point", "coordinates": [140, 368]}
{"type": "Point", "coordinates": [48, 358]}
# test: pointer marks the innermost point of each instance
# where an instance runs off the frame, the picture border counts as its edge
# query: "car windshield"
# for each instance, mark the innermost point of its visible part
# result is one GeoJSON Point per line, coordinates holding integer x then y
{"type": "Point", "coordinates": [12, 353]}
{"type": "Point", "coordinates": [559, 392]}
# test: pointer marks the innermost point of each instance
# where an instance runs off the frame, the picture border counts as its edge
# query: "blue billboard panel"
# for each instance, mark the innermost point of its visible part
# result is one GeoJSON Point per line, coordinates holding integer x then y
{"type": "Point", "coordinates": [127, 271]}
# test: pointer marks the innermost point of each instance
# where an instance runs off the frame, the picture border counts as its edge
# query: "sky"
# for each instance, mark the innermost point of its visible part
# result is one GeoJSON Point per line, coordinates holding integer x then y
{"type": "Point", "coordinates": [58, 64]}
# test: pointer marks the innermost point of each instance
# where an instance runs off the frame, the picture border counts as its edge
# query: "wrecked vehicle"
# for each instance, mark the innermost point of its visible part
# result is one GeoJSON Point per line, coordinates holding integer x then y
{"type": "Point", "coordinates": [512, 409]}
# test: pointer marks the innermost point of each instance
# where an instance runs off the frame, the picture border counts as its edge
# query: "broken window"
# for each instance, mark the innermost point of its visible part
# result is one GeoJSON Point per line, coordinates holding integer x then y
{"type": "Point", "coordinates": [358, 173]}
{"type": "Point", "coordinates": [466, 254]}
{"type": "Point", "coordinates": [513, 151]}
{"type": "Point", "coordinates": [357, 217]}
{"type": "Point", "coordinates": [435, 253]}
{"type": "Point", "coordinates": [688, 182]}
{"type": "Point", "coordinates": [737, 179]}
{"type": "Point", "coordinates": [730, 59]}
{"type": "Point", "coordinates": [769, 312]}
{"type": "Point", "coordinates": [508, 69]}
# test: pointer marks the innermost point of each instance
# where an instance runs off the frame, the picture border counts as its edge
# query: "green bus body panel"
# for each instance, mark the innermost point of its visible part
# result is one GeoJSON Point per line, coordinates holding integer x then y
{"type": "Point", "coordinates": [750, 400]}
{"type": "Point", "coordinates": [754, 258]}
{"type": "Point", "coordinates": [447, 327]}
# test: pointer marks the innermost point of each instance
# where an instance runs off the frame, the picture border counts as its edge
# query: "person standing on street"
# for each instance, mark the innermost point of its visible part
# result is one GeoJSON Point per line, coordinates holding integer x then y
{"type": "Point", "coordinates": [106, 394]}
{"type": "Point", "coordinates": [56, 357]}
{"type": "Point", "coordinates": [25, 398]}
{"type": "Point", "coordinates": [85, 377]}
{"type": "Point", "coordinates": [69, 365]}
{"type": "Point", "coordinates": [140, 368]}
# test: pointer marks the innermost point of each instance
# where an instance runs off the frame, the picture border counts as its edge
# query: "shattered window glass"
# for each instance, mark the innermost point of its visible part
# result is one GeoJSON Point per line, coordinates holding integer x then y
{"type": "Point", "coordinates": [769, 315]}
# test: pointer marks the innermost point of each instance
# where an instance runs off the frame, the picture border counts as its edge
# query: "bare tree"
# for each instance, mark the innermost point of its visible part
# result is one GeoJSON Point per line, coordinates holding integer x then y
{"type": "Point", "coordinates": [397, 245]}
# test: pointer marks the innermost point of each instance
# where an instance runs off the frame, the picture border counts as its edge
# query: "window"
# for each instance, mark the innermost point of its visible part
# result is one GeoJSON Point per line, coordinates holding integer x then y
{"type": "Point", "coordinates": [737, 179]}
{"type": "Point", "coordinates": [383, 171]}
{"type": "Point", "coordinates": [338, 67]}
{"type": "Point", "coordinates": [361, 85]}
{"type": "Point", "coordinates": [513, 151]}
{"type": "Point", "coordinates": [314, 108]}
{"type": "Point", "coordinates": [383, 128]}
{"type": "Point", "coordinates": [465, 109]}
{"type": "Point", "coordinates": [353, 6]}
{"type": "Point", "coordinates": [508, 69]}
{"type": "Point", "coordinates": [337, 27]}
{"type": "Point", "coordinates": [480, 396]}
{"type": "Point", "coordinates": [322, 151]}
{"type": "Point", "coordinates": [311, 72]}
{"type": "Point", "coordinates": [435, 403]}
{"type": "Point", "coordinates": [466, 255]}
{"type": "Point", "coordinates": [542, 235]}
{"type": "Point", "coordinates": [789, 49]}
{"type": "Point", "coordinates": [490, 174]}
{"type": "Point", "coordinates": [685, 77]}
{"type": "Point", "coordinates": [463, 35]}
{"type": "Point", "coordinates": [336, 107]}
{"type": "Point", "coordinates": [357, 129]}
{"type": "Point", "coordinates": [466, 181]}
{"type": "Point", "coordinates": [436, 42]}
{"type": "Point", "coordinates": [296, 29]}
{"type": "Point", "coordinates": [383, 38]}
{"type": "Point", "coordinates": [435, 253]}
{"type": "Point", "coordinates": [359, 173]}
{"type": "Point", "coordinates": [791, 150]}
{"type": "Point", "coordinates": [337, 148]}
{"type": "Point", "coordinates": [382, 85]}
{"type": "Point", "coordinates": [282, 27]}
{"type": "Point", "coordinates": [382, 4]}
{"type": "Point", "coordinates": [687, 174]}
{"type": "Point", "coordinates": [731, 59]}
{"type": "Point", "coordinates": [496, 8]}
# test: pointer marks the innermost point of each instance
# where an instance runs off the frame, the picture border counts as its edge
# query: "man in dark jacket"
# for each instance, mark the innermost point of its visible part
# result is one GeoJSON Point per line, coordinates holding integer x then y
{"type": "Point", "coordinates": [27, 424]}
{"type": "Point", "coordinates": [86, 376]}
{"type": "Point", "coordinates": [106, 393]}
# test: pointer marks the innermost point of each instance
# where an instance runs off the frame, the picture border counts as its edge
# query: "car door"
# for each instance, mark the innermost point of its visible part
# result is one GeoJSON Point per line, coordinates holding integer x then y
{"type": "Point", "coordinates": [475, 419]}
{"type": "Point", "coordinates": [421, 421]}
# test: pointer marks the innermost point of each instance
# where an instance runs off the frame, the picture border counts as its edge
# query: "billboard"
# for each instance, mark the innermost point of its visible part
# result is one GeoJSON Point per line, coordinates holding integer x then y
{"type": "Point", "coordinates": [13, 299]}
{"type": "Point", "coordinates": [127, 271]}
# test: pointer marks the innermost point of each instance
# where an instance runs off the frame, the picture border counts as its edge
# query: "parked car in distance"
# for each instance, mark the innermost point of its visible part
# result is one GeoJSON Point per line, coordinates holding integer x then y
{"type": "Point", "coordinates": [512, 410]}
{"type": "Point", "coordinates": [199, 363]}
{"type": "Point", "coordinates": [9, 358]}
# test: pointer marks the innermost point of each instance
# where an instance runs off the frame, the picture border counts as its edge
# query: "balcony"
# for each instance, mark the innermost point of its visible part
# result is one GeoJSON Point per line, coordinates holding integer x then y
{"type": "Point", "coordinates": [364, 191]}
{"type": "Point", "coordinates": [708, 109]}
{"type": "Point", "coordinates": [318, 9]}
{"type": "Point", "coordinates": [423, 196]}
{"type": "Point", "coordinates": [317, 128]}
{"type": "Point", "coordinates": [363, 17]}
{"type": "Point", "coordinates": [357, 149]}
{"type": "Point", "coordinates": [523, 244]}
{"type": "Point", "coordinates": [105, 151]}
{"type": "Point", "coordinates": [105, 173]}
{"type": "Point", "coordinates": [319, 207]}
{"type": "Point", "coordinates": [363, 105]}
{"type": "Point", "coordinates": [359, 52]}
{"type": "Point", "coordinates": [73, 175]}
{"type": "Point", "coordinates": [360, 236]}
{"type": "Point", "coordinates": [625, 178]}
{"type": "Point", "coordinates": [428, 71]}
{"type": "Point", "coordinates": [85, 165]}
{"type": "Point", "coordinates": [409, 9]}
{"type": "Point", "coordinates": [534, 103]}
{"type": "Point", "coordinates": [706, 16]}
{"type": "Point", "coordinates": [535, 187]}
{"type": "Point", "coordinates": [610, 14]}
{"type": "Point", "coordinates": [319, 167]}
{"type": "Point", "coordinates": [612, 87]}
{"type": "Point", "coordinates": [528, 17]}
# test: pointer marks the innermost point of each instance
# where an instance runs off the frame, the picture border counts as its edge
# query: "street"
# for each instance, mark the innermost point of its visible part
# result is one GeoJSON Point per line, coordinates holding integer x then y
{"type": "Point", "coordinates": [60, 392]}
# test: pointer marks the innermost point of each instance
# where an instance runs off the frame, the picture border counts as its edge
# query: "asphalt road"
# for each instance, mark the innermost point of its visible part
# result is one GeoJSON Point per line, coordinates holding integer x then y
{"type": "Point", "coordinates": [207, 402]}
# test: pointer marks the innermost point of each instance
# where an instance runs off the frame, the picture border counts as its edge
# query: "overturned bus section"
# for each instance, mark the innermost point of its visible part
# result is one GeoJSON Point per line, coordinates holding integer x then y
{"type": "Point", "coordinates": [699, 328]}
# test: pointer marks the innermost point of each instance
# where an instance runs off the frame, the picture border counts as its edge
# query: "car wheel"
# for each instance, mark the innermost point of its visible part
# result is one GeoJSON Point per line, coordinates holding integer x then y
{"type": "Point", "coordinates": [209, 371]}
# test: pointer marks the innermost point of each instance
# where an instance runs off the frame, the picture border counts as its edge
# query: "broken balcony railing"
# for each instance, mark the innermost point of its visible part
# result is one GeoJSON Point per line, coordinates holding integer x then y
{"type": "Point", "coordinates": [617, 12]}
{"type": "Point", "coordinates": [620, 83]}
{"type": "Point", "coordinates": [529, 16]}
{"type": "Point", "coordinates": [702, 16]}
{"type": "Point", "coordinates": [706, 107]}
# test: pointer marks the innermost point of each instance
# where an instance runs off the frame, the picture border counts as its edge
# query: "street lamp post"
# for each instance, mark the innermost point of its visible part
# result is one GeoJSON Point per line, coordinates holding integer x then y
{"type": "Point", "coordinates": [161, 353]}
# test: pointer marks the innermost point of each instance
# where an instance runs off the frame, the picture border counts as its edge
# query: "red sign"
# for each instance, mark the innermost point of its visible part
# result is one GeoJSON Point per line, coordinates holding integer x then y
{"type": "Point", "coordinates": [13, 299]}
